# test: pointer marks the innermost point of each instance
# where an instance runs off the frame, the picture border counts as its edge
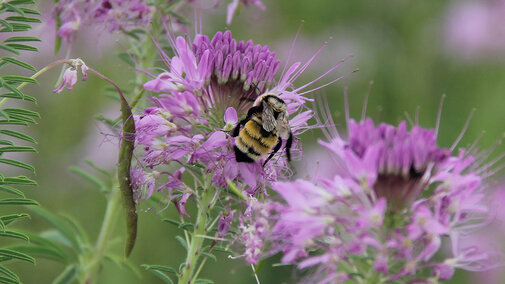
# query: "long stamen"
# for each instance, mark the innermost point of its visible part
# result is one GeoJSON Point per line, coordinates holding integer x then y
{"type": "Point", "coordinates": [304, 66]}
{"type": "Point", "coordinates": [346, 108]}
{"type": "Point", "coordinates": [327, 84]}
{"type": "Point", "coordinates": [323, 75]}
{"type": "Point", "coordinates": [439, 115]}
{"type": "Point", "coordinates": [365, 101]}
{"type": "Point", "coordinates": [463, 131]}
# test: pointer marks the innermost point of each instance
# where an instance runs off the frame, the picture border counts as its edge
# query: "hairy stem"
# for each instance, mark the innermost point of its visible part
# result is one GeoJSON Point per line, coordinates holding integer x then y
{"type": "Point", "coordinates": [195, 247]}
{"type": "Point", "coordinates": [92, 268]}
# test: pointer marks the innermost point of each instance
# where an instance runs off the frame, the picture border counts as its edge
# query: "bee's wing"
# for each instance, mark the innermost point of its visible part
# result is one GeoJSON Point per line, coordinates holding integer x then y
{"type": "Point", "coordinates": [267, 116]}
{"type": "Point", "coordinates": [283, 128]}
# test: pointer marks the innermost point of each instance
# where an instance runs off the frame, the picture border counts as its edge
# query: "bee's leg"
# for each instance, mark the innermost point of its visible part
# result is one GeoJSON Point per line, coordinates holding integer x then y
{"type": "Point", "coordinates": [288, 146]}
{"type": "Point", "coordinates": [276, 149]}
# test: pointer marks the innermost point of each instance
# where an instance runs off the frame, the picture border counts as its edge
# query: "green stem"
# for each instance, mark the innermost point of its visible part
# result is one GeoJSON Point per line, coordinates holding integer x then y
{"type": "Point", "coordinates": [205, 204]}
{"type": "Point", "coordinates": [92, 268]}
{"type": "Point", "coordinates": [41, 71]}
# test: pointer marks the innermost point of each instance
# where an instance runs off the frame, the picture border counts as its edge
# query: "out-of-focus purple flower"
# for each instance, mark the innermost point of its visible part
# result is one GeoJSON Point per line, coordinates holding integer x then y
{"type": "Point", "coordinates": [224, 224]}
{"type": "Point", "coordinates": [395, 198]}
{"type": "Point", "coordinates": [475, 28]}
{"type": "Point", "coordinates": [111, 15]}
{"type": "Point", "coordinates": [234, 5]}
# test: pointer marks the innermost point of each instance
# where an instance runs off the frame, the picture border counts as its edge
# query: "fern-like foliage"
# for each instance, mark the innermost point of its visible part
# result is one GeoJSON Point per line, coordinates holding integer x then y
{"type": "Point", "coordinates": [15, 16]}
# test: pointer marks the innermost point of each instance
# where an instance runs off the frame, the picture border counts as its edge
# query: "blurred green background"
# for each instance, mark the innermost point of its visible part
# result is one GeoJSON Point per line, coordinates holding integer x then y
{"type": "Point", "coordinates": [400, 45]}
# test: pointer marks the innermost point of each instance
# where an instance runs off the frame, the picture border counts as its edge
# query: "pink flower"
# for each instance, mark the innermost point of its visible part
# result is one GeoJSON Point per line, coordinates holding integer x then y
{"type": "Point", "coordinates": [69, 80]}
{"type": "Point", "coordinates": [395, 198]}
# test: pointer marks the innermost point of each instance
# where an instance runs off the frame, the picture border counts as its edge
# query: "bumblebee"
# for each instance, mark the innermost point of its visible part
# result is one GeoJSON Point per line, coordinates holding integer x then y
{"type": "Point", "coordinates": [262, 129]}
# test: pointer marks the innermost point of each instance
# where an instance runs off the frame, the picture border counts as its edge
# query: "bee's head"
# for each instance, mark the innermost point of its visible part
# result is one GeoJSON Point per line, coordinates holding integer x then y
{"type": "Point", "coordinates": [273, 100]}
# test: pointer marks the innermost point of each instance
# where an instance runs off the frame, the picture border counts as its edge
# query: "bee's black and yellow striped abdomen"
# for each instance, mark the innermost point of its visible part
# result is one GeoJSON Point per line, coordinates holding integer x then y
{"type": "Point", "coordinates": [253, 142]}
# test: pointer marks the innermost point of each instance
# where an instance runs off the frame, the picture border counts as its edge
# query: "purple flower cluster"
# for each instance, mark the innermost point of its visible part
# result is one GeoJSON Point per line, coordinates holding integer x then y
{"type": "Point", "coordinates": [396, 197]}
{"type": "Point", "coordinates": [112, 15]}
{"type": "Point", "coordinates": [209, 84]}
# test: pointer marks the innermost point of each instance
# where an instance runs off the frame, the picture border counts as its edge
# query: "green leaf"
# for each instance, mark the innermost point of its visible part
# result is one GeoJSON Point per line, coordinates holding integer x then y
{"type": "Point", "coordinates": [18, 201]}
{"type": "Point", "coordinates": [17, 149]}
{"type": "Point", "coordinates": [90, 178]}
{"type": "Point", "coordinates": [21, 111]}
{"type": "Point", "coordinates": [40, 252]}
{"type": "Point", "coordinates": [209, 255]}
{"type": "Point", "coordinates": [98, 169]}
{"type": "Point", "coordinates": [21, 2]}
{"type": "Point", "coordinates": [20, 46]}
{"type": "Point", "coordinates": [124, 264]}
{"type": "Point", "coordinates": [22, 38]}
{"type": "Point", "coordinates": [6, 25]}
{"type": "Point", "coordinates": [13, 122]}
{"type": "Point", "coordinates": [16, 255]}
{"type": "Point", "coordinates": [10, 49]}
{"type": "Point", "coordinates": [126, 58]}
{"type": "Point", "coordinates": [17, 164]}
{"type": "Point", "coordinates": [24, 19]}
{"type": "Point", "coordinates": [12, 190]}
{"type": "Point", "coordinates": [17, 96]}
{"type": "Point", "coordinates": [77, 228]}
{"type": "Point", "coordinates": [162, 276]}
{"type": "Point", "coordinates": [4, 114]}
{"type": "Point", "coordinates": [221, 249]}
{"type": "Point", "coordinates": [8, 280]}
{"type": "Point", "coordinates": [67, 276]}
{"type": "Point", "coordinates": [30, 11]}
{"type": "Point", "coordinates": [21, 79]}
{"type": "Point", "coordinates": [15, 235]}
{"type": "Point", "coordinates": [50, 249]}
{"type": "Point", "coordinates": [22, 118]}
{"type": "Point", "coordinates": [110, 122]}
{"type": "Point", "coordinates": [19, 63]}
{"type": "Point", "coordinates": [6, 142]}
{"type": "Point", "coordinates": [60, 225]}
{"type": "Point", "coordinates": [172, 221]}
{"type": "Point", "coordinates": [182, 241]}
{"type": "Point", "coordinates": [160, 268]}
{"type": "Point", "coordinates": [9, 219]}
{"type": "Point", "coordinates": [5, 271]}
{"type": "Point", "coordinates": [187, 226]}
{"type": "Point", "coordinates": [19, 27]}
{"type": "Point", "coordinates": [13, 89]}
{"type": "Point", "coordinates": [18, 135]}
{"type": "Point", "coordinates": [203, 281]}
{"type": "Point", "coordinates": [18, 180]}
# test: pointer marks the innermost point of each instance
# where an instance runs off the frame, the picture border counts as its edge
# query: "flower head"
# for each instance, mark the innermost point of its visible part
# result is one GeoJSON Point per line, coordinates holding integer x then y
{"type": "Point", "coordinates": [69, 77]}
{"type": "Point", "coordinates": [396, 197]}
{"type": "Point", "coordinates": [207, 86]}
